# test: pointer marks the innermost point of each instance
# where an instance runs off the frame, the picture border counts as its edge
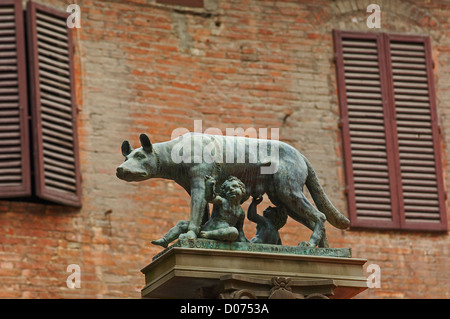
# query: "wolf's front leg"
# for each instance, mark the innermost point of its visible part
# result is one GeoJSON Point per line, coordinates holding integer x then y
{"type": "Point", "coordinates": [198, 205]}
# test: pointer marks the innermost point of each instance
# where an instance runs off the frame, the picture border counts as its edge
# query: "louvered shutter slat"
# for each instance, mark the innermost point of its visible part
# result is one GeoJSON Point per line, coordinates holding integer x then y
{"type": "Point", "coordinates": [363, 113]}
{"type": "Point", "coordinates": [422, 189]}
{"type": "Point", "coordinates": [14, 143]}
{"type": "Point", "coordinates": [54, 111]}
{"type": "Point", "coordinates": [390, 134]}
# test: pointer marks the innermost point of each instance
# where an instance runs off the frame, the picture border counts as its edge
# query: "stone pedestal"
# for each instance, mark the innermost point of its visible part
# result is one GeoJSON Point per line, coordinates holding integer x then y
{"type": "Point", "coordinates": [183, 271]}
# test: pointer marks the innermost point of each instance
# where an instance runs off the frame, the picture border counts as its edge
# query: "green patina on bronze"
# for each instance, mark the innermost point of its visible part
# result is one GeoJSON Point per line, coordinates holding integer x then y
{"type": "Point", "coordinates": [200, 243]}
{"type": "Point", "coordinates": [265, 167]}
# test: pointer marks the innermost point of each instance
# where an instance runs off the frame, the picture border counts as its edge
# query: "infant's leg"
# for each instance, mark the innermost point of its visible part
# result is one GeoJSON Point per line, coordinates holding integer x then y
{"type": "Point", "coordinates": [224, 234]}
{"type": "Point", "coordinates": [180, 228]}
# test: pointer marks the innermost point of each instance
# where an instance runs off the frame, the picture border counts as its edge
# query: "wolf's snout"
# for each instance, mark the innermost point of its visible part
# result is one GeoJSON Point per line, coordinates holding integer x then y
{"type": "Point", "coordinates": [119, 171]}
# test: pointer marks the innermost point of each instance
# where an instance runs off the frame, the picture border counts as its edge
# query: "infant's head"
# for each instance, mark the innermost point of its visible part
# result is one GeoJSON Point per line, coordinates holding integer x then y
{"type": "Point", "coordinates": [232, 187]}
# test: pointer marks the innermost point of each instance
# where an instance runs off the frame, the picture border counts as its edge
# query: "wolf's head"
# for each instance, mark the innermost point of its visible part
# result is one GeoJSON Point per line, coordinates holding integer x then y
{"type": "Point", "coordinates": [140, 164]}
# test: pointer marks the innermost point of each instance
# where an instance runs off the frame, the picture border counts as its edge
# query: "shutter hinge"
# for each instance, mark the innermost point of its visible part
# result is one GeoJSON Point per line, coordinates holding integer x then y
{"type": "Point", "coordinates": [334, 58]}
{"type": "Point", "coordinates": [433, 64]}
{"type": "Point", "coordinates": [346, 191]}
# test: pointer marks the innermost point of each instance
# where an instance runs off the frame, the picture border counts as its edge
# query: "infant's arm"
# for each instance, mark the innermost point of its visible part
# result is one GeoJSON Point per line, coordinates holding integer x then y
{"type": "Point", "coordinates": [210, 192]}
{"type": "Point", "coordinates": [252, 213]}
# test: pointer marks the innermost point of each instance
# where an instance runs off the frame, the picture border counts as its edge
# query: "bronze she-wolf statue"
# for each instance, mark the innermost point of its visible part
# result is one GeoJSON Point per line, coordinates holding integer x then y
{"type": "Point", "coordinates": [265, 167]}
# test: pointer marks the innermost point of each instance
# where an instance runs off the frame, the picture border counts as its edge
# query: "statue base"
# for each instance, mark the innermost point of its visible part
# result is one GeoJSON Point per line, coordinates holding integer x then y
{"type": "Point", "coordinates": [198, 269]}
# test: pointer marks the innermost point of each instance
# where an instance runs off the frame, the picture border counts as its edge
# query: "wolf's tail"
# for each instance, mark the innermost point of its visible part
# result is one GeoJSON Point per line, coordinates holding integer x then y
{"type": "Point", "coordinates": [334, 217]}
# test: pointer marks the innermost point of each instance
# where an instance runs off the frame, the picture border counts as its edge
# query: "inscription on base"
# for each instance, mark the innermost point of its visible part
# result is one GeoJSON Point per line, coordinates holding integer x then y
{"type": "Point", "coordinates": [262, 248]}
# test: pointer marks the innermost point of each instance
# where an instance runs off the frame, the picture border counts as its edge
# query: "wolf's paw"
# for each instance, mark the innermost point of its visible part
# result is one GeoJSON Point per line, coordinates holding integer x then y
{"type": "Point", "coordinates": [182, 237]}
{"type": "Point", "coordinates": [190, 235]}
{"type": "Point", "coordinates": [306, 244]}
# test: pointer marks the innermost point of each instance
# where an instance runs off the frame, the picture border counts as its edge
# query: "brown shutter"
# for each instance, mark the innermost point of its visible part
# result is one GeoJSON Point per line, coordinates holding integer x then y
{"type": "Point", "coordinates": [53, 105]}
{"type": "Point", "coordinates": [366, 134]}
{"type": "Point", "coordinates": [390, 132]}
{"type": "Point", "coordinates": [14, 140]}
{"type": "Point", "coordinates": [409, 62]}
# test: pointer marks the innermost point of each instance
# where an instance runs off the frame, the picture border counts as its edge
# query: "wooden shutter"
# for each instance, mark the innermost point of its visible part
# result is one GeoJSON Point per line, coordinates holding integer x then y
{"type": "Point", "coordinates": [389, 129]}
{"type": "Point", "coordinates": [14, 139]}
{"type": "Point", "coordinates": [363, 97]}
{"type": "Point", "coordinates": [53, 105]}
{"type": "Point", "coordinates": [409, 63]}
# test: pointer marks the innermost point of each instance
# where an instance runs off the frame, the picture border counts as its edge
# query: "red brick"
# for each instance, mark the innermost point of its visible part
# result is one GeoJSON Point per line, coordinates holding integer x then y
{"type": "Point", "coordinates": [263, 65]}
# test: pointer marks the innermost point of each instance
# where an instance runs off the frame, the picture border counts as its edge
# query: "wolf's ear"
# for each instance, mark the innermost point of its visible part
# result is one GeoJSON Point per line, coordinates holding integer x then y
{"type": "Point", "coordinates": [146, 144]}
{"type": "Point", "coordinates": [126, 148]}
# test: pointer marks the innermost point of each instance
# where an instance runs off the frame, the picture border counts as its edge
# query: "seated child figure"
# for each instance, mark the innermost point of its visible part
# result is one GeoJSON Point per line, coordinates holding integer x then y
{"type": "Point", "coordinates": [227, 217]}
{"type": "Point", "coordinates": [267, 225]}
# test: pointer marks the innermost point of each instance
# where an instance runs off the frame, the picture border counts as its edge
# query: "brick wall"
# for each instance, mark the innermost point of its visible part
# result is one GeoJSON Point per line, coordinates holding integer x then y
{"type": "Point", "coordinates": [146, 67]}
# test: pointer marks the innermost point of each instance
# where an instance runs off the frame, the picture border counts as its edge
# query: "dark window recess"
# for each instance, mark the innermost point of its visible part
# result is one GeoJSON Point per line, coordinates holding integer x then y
{"type": "Point", "coordinates": [184, 3]}
{"type": "Point", "coordinates": [54, 155]}
{"type": "Point", "coordinates": [390, 131]}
